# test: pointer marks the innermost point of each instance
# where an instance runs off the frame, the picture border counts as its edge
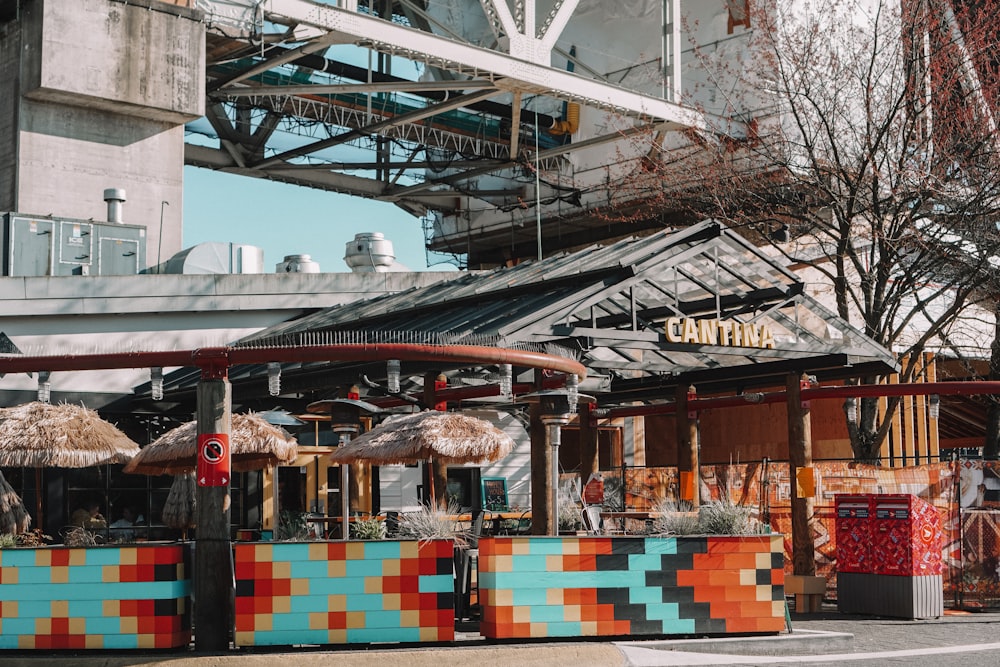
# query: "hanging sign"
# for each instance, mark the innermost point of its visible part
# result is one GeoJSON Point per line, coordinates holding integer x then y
{"type": "Point", "coordinates": [213, 459]}
{"type": "Point", "coordinates": [593, 490]}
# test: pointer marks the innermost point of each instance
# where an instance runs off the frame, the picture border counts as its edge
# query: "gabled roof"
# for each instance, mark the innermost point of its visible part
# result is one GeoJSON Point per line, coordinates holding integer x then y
{"type": "Point", "coordinates": [608, 305]}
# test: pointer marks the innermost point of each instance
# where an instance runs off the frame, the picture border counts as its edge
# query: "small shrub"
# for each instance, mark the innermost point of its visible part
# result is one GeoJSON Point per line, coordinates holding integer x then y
{"type": "Point", "coordinates": [293, 526]}
{"type": "Point", "coordinates": [716, 517]}
{"type": "Point", "coordinates": [675, 518]}
{"type": "Point", "coordinates": [34, 538]}
{"type": "Point", "coordinates": [368, 529]}
{"type": "Point", "coordinates": [431, 523]}
{"type": "Point", "coordinates": [569, 511]}
{"type": "Point", "coordinates": [8, 541]}
{"type": "Point", "coordinates": [75, 536]}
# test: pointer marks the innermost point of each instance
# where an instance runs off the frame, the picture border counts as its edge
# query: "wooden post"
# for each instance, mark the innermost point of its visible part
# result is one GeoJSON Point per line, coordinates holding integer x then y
{"type": "Point", "coordinates": [437, 475]}
{"type": "Point", "coordinates": [588, 442]}
{"type": "Point", "coordinates": [800, 456]}
{"type": "Point", "coordinates": [688, 461]}
{"type": "Point", "coordinates": [541, 468]}
{"type": "Point", "coordinates": [213, 562]}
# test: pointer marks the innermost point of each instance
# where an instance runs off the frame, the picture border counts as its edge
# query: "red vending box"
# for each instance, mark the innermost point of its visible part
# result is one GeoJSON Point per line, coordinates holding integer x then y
{"type": "Point", "coordinates": [906, 536]}
{"type": "Point", "coordinates": [853, 530]}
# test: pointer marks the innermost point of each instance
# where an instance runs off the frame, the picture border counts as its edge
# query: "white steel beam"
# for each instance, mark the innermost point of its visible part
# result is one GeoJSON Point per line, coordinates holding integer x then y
{"type": "Point", "coordinates": [517, 75]}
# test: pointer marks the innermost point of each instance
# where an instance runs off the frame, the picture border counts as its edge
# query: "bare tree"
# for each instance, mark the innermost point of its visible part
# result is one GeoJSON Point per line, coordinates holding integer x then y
{"type": "Point", "coordinates": [870, 161]}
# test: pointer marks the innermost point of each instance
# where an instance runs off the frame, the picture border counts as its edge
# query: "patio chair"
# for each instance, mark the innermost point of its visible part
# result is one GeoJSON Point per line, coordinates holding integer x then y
{"type": "Point", "coordinates": [469, 557]}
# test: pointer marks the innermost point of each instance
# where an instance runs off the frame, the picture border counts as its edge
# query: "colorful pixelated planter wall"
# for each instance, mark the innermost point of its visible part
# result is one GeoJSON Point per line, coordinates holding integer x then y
{"type": "Point", "coordinates": [107, 597]}
{"type": "Point", "coordinates": [291, 593]}
{"type": "Point", "coordinates": [612, 586]}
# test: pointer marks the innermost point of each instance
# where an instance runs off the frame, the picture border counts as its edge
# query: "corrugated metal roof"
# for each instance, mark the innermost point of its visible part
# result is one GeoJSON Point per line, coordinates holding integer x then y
{"type": "Point", "coordinates": [609, 304]}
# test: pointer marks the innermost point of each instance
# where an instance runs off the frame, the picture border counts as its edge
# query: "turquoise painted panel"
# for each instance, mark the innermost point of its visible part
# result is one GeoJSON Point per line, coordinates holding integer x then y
{"type": "Point", "coordinates": [121, 641]}
{"type": "Point", "coordinates": [86, 574]}
{"type": "Point", "coordinates": [528, 596]}
{"type": "Point", "coordinates": [547, 614]}
{"type": "Point", "coordinates": [377, 550]}
{"type": "Point", "coordinates": [28, 608]}
{"type": "Point", "coordinates": [436, 583]}
{"type": "Point", "coordinates": [366, 602]}
{"type": "Point", "coordinates": [100, 625]}
{"type": "Point", "coordinates": [680, 626]}
{"type": "Point", "coordinates": [542, 546]}
{"type": "Point", "coordinates": [102, 556]}
{"type": "Point", "coordinates": [487, 580]}
{"type": "Point", "coordinates": [530, 563]}
{"type": "Point", "coordinates": [17, 557]}
{"type": "Point", "coordinates": [290, 551]}
{"type": "Point", "coordinates": [645, 595]}
{"type": "Point", "coordinates": [564, 629]}
{"type": "Point", "coordinates": [33, 575]}
{"type": "Point", "coordinates": [145, 590]}
{"type": "Point", "coordinates": [287, 637]}
{"type": "Point", "coordinates": [664, 611]}
{"type": "Point", "coordinates": [337, 586]}
{"type": "Point", "coordinates": [309, 569]}
{"type": "Point", "coordinates": [645, 562]}
{"type": "Point", "coordinates": [612, 579]}
{"type": "Point", "coordinates": [289, 621]}
{"type": "Point", "coordinates": [25, 625]}
{"type": "Point", "coordinates": [389, 619]}
{"type": "Point", "coordinates": [304, 604]}
{"type": "Point", "coordinates": [661, 545]}
{"type": "Point", "coordinates": [363, 568]}
{"type": "Point", "coordinates": [369, 635]}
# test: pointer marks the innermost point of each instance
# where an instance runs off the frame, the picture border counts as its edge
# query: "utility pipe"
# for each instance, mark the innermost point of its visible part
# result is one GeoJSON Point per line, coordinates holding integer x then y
{"type": "Point", "coordinates": [214, 360]}
{"type": "Point", "coordinates": [456, 394]}
{"type": "Point", "coordinates": [968, 387]}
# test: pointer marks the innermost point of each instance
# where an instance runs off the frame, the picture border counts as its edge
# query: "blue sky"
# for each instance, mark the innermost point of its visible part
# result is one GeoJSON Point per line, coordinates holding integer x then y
{"type": "Point", "coordinates": [293, 220]}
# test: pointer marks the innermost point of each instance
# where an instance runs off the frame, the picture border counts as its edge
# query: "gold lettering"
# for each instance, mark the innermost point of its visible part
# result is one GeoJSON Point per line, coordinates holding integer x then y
{"type": "Point", "coordinates": [673, 329]}
{"type": "Point", "coordinates": [708, 332]}
{"type": "Point", "coordinates": [766, 337]}
{"type": "Point", "coordinates": [751, 335]}
{"type": "Point", "coordinates": [690, 330]}
{"type": "Point", "coordinates": [724, 330]}
{"type": "Point", "coordinates": [737, 334]}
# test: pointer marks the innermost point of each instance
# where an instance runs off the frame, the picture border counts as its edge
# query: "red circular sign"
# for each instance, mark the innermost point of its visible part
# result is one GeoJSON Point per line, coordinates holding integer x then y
{"type": "Point", "coordinates": [213, 450]}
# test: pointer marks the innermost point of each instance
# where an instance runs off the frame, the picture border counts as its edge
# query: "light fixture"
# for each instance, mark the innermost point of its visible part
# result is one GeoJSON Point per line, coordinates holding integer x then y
{"type": "Point", "coordinates": [851, 407]}
{"type": "Point", "coordinates": [156, 383]}
{"type": "Point", "coordinates": [44, 387]}
{"type": "Point", "coordinates": [506, 381]}
{"type": "Point", "coordinates": [572, 391]}
{"type": "Point", "coordinates": [934, 408]}
{"type": "Point", "coordinates": [273, 378]}
{"type": "Point", "coordinates": [392, 375]}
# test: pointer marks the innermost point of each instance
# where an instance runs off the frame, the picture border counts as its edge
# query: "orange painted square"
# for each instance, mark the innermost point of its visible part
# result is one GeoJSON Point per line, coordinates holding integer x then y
{"type": "Point", "coordinates": [724, 577]}
{"type": "Point", "coordinates": [740, 593]}
{"type": "Point", "coordinates": [707, 593]}
{"type": "Point", "coordinates": [709, 561]}
{"type": "Point", "coordinates": [740, 561]}
{"type": "Point", "coordinates": [777, 577]}
{"type": "Point", "coordinates": [754, 609]}
{"type": "Point", "coordinates": [281, 587]}
{"type": "Point", "coordinates": [605, 612]}
{"type": "Point", "coordinates": [503, 615]}
{"type": "Point", "coordinates": [692, 578]}
{"type": "Point", "coordinates": [263, 604]}
{"type": "Point", "coordinates": [409, 600]}
{"type": "Point", "coordinates": [262, 571]}
{"type": "Point", "coordinates": [726, 610]}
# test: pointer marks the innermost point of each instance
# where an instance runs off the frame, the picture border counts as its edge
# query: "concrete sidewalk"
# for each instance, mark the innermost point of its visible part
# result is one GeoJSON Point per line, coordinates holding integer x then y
{"type": "Point", "coordinates": [826, 633]}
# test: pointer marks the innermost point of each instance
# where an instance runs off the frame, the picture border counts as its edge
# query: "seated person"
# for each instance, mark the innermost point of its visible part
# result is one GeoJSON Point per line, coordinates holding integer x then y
{"type": "Point", "coordinates": [89, 517]}
{"type": "Point", "coordinates": [122, 527]}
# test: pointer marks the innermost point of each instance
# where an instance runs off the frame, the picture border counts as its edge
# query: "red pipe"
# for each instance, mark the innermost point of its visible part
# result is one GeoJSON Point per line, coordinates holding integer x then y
{"type": "Point", "coordinates": [213, 359]}
{"type": "Point", "coordinates": [969, 387]}
{"type": "Point", "coordinates": [456, 394]}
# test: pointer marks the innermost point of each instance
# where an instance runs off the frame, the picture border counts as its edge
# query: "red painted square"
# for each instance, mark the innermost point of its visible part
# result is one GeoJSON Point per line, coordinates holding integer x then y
{"type": "Point", "coordinates": [60, 557]}
{"type": "Point", "coordinates": [337, 620]}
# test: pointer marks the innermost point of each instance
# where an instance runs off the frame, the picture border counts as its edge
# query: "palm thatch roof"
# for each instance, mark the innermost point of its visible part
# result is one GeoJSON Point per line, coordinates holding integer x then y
{"type": "Point", "coordinates": [14, 518]}
{"type": "Point", "coordinates": [40, 435]}
{"type": "Point", "coordinates": [254, 444]}
{"type": "Point", "coordinates": [179, 508]}
{"type": "Point", "coordinates": [443, 436]}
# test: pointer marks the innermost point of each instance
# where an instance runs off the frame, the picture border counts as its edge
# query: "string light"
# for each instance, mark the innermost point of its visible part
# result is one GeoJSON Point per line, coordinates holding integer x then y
{"type": "Point", "coordinates": [851, 405]}
{"type": "Point", "coordinates": [273, 378]}
{"type": "Point", "coordinates": [392, 375]}
{"type": "Point", "coordinates": [156, 383]}
{"type": "Point", "coordinates": [572, 391]}
{"type": "Point", "coordinates": [506, 381]}
{"type": "Point", "coordinates": [934, 409]}
{"type": "Point", "coordinates": [44, 387]}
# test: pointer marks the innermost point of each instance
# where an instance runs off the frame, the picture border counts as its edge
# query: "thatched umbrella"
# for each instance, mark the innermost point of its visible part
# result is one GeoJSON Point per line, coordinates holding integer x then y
{"type": "Point", "coordinates": [179, 508]}
{"type": "Point", "coordinates": [448, 437]}
{"type": "Point", "coordinates": [14, 518]}
{"type": "Point", "coordinates": [255, 445]}
{"type": "Point", "coordinates": [40, 435]}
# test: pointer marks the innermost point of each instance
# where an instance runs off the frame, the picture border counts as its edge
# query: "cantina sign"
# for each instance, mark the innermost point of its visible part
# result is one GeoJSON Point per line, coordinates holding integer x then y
{"type": "Point", "coordinates": [719, 332]}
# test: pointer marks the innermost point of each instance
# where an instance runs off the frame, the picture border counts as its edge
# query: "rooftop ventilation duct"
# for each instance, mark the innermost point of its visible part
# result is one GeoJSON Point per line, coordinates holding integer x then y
{"type": "Point", "coordinates": [115, 197]}
{"type": "Point", "coordinates": [370, 252]}
{"type": "Point", "coordinates": [297, 264]}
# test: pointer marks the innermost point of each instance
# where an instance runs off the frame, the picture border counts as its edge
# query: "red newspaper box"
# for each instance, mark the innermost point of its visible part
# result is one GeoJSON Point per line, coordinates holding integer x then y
{"type": "Point", "coordinates": [906, 536]}
{"type": "Point", "coordinates": [853, 529]}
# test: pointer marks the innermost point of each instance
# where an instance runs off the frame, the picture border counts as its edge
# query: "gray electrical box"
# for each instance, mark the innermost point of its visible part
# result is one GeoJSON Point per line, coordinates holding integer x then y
{"type": "Point", "coordinates": [44, 246]}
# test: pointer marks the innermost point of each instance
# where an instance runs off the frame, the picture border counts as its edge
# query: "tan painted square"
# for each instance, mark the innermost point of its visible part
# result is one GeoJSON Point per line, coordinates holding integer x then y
{"type": "Point", "coordinates": [110, 574]}
{"type": "Point", "coordinates": [409, 549]}
{"type": "Point", "coordinates": [571, 546]}
{"type": "Point", "coordinates": [78, 626]}
{"type": "Point", "coordinates": [391, 567]}
{"type": "Point", "coordinates": [748, 577]}
{"type": "Point", "coordinates": [10, 610]}
{"type": "Point", "coordinates": [571, 612]}
{"type": "Point", "coordinates": [281, 604]}
{"type": "Point", "coordinates": [59, 575]}
{"type": "Point", "coordinates": [392, 601]}
{"type": "Point", "coordinates": [763, 561]}
{"type": "Point", "coordinates": [318, 620]}
{"type": "Point", "coordinates": [554, 596]}
{"type": "Point", "coordinates": [522, 614]}
{"type": "Point", "coordinates": [355, 551]}
{"type": "Point", "coordinates": [520, 547]}
{"type": "Point", "coordinates": [503, 563]}
{"type": "Point", "coordinates": [129, 625]}
{"type": "Point", "coordinates": [764, 593]}
{"type": "Point", "coordinates": [263, 553]}
{"type": "Point", "coordinates": [128, 556]}
{"type": "Point", "coordinates": [299, 587]}
{"type": "Point", "coordinates": [336, 569]}
{"type": "Point", "coordinates": [373, 585]}
{"type": "Point", "coordinates": [77, 556]}
{"type": "Point", "coordinates": [409, 618]}
{"type": "Point", "coordinates": [60, 608]}
{"type": "Point", "coordinates": [43, 558]}
{"type": "Point", "coordinates": [502, 597]}
{"type": "Point", "coordinates": [262, 622]}
{"type": "Point", "coordinates": [554, 563]}
{"type": "Point", "coordinates": [337, 636]}
{"type": "Point", "coordinates": [244, 638]}
{"type": "Point", "coordinates": [356, 620]}
{"type": "Point", "coordinates": [94, 641]}
{"type": "Point", "coordinates": [318, 551]}
{"type": "Point", "coordinates": [336, 602]}
{"type": "Point", "coordinates": [43, 626]}
{"type": "Point", "coordinates": [281, 570]}
{"type": "Point", "coordinates": [9, 575]}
